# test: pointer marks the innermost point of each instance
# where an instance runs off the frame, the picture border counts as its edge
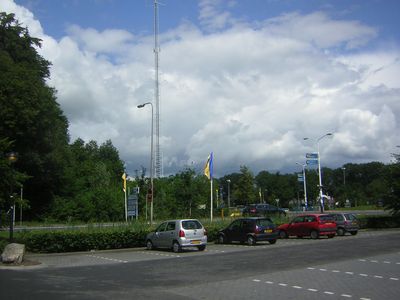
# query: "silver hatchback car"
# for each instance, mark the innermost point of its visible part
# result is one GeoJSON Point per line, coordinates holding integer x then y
{"type": "Point", "coordinates": [178, 234]}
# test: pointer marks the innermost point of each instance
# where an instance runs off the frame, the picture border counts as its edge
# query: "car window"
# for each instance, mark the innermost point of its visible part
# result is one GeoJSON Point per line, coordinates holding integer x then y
{"type": "Point", "coordinates": [326, 218]}
{"type": "Point", "coordinates": [247, 224]}
{"type": "Point", "coordinates": [235, 225]}
{"type": "Point", "coordinates": [339, 218]}
{"type": "Point", "coordinates": [170, 226]}
{"type": "Point", "coordinates": [191, 224]}
{"type": "Point", "coordinates": [298, 220]}
{"type": "Point", "coordinates": [264, 222]}
{"type": "Point", "coordinates": [161, 227]}
{"type": "Point", "coordinates": [310, 219]}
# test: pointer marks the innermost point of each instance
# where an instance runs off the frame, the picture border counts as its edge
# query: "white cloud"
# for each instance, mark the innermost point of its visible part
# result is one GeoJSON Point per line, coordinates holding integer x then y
{"type": "Point", "coordinates": [250, 94]}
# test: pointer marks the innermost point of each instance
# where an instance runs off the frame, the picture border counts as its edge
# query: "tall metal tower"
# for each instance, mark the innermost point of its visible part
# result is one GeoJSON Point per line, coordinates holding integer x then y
{"type": "Point", "coordinates": [158, 163]}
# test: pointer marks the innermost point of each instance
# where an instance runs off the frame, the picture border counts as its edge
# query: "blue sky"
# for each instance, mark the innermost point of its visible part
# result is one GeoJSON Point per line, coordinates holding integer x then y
{"type": "Point", "coordinates": [136, 16]}
{"type": "Point", "coordinates": [247, 80]}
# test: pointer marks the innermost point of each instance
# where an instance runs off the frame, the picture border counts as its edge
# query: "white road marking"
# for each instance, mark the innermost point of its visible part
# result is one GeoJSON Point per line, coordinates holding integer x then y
{"type": "Point", "coordinates": [346, 296]}
{"type": "Point", "coordinates": [296, 287]}
{"type": "Point", "coordinates": [282, 284]}
{"type": "Point", "coordinates": [394, 278]}
{"type": "Point", "coordinates": [256, 280]}
{"type": "Point", "coordinates": [312, 290]}
{"type": "Point", "coordinates": [329, 293]}
{"type": "Point", "coordinates": [109, 259]}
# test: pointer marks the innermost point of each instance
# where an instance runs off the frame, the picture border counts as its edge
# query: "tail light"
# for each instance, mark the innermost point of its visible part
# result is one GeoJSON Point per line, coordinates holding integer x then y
{"type": "Point", "coordinates": [257, 230]}
{"type": "Point", "coordinates": [181, 233]}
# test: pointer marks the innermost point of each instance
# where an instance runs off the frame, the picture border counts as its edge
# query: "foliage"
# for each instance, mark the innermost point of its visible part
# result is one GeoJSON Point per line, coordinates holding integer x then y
{"type": "Point", "coordinates": [392, 197]}
{"type": "Point", "coordinates": [30, 116]}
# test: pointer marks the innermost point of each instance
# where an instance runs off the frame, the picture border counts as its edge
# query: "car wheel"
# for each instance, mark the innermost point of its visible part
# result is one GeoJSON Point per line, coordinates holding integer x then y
{"type": "Point", "coordinates": [251, 240]}
{"type": "Point", "coordinates": [283, 234]}
{"type": "Point", "coordinates": [149, 245]}
{"type": "Point", "coordinates": [272, 242]}
{"type": "Point", "coordinates": [314, 234]}
{"type": "Point", "coordinates": [353, 232]}
{"type": "Point", "coordinates": [176, 247]}
{"type": "Point", "coordinates": [201, 248]}
{"type": "Point", "coordinates": [221, 239]}
{"type": "Point", "coordinates": [340, 232]}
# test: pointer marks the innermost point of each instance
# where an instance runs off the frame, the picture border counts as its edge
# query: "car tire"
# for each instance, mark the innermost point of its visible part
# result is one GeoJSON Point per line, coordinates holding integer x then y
{"type": "Point", "coordinates": [221, 239]}
{"type": "Point", "coordinates": [314, 234]}
{"type": "Point", "coordinates": [353, 232]}
{"type": "Point", "coordinates": [272, 242]}
{"type": "Point", "coordinates": [340, 232]}
{"type": "Point", "coordinates": [176, 247]}
{"type": "Point", "coordinates": [283, 234]}
{"type": "Point", "coordinates": [149, 245]}
{"type": "Point", "coordinates": [201, 248]}
{"type": "Point", "coordinates": [251, 241]}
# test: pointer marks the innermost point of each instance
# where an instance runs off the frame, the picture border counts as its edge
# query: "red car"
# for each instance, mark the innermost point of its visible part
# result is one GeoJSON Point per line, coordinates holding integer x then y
{"type": "Point", "coordinates": [313, 225]}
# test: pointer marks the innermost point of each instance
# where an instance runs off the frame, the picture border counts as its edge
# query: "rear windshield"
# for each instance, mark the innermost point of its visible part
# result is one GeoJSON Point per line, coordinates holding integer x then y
{"type": "Point", "coordinates": [350, 217]}
{"type": "Point", "coordinates": [264, 222]}
{"type": "Point", "coordinates": [192, 224]}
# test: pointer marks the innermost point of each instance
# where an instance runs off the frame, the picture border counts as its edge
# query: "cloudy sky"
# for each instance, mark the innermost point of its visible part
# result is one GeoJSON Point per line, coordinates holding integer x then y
{"type": "Point", "coordinates": [247, 80]}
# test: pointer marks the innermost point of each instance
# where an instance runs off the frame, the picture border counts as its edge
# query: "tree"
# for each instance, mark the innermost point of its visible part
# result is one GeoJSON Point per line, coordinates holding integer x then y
{"type": "Point", "coordinates": [30, 117]}
{"type": "Point", "coordinates": [244, 190]}
{"type": "Point", "coordinates": [392, 196]}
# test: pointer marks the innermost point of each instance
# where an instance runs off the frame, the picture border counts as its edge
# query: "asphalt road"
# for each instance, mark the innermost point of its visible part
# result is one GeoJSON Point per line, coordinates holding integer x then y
{"type": "Point", "coordinates": [366, 266]}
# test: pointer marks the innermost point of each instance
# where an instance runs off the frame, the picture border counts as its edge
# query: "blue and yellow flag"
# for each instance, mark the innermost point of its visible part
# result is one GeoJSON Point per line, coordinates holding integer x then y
{"type": "Point", "coordinates": [208, 168]}
{"type": "Point", "coordinates": [124, 182]}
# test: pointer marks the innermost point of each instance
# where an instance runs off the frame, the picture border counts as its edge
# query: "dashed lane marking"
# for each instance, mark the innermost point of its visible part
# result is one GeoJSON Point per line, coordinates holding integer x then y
{"type": "Point", "coordinates": [297, 287]}
{"type": "Point", "coordinates": [352, 273]}
{"type": "Point", "coordinates": [107, 258]}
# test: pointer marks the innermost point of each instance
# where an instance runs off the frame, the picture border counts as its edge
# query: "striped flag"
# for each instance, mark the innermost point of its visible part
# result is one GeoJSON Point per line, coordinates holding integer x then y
{"type": "Point", "coordinates": [208, 168]}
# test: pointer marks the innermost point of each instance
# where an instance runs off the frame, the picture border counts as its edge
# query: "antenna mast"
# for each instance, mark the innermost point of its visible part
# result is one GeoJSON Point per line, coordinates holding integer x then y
{"type": "Point", "coordinates": [157, 92]}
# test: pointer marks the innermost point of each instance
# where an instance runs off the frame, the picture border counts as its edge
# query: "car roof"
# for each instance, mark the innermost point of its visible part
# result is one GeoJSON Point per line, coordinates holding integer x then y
{"type": "Point", "coordinates": [315, 215]}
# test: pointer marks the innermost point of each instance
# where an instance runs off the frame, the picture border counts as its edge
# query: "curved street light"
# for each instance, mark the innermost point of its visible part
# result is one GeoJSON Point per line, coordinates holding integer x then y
{"type": "Point", "coordinates": [151, 160]}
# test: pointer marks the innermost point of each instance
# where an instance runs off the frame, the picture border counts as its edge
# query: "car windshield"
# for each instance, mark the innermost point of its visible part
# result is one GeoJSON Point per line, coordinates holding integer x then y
{"type": "Point", "coordinates": [264, 222]}
{"type": "Point", "coordinates": [191, 224]}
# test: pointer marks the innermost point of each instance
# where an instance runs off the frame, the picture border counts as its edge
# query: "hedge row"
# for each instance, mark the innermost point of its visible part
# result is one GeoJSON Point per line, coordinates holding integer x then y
{"type": "Point", "coordinates": [129, 237]}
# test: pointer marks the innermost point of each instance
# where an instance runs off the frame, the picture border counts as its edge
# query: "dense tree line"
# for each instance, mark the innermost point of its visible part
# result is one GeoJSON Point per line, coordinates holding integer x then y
{"type": "Point", "coordinates": [58, 179]}
{"type": "Point", "coordinates": [82, 181]}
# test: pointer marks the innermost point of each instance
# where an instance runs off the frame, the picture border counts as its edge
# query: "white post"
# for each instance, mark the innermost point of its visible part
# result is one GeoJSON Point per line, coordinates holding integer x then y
{"type": "Point", "coordinates": [211, 205]}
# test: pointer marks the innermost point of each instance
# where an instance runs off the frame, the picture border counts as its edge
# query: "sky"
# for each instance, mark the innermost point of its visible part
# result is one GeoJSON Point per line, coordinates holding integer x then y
{"type": "Point", "coordinates": [247, 80]}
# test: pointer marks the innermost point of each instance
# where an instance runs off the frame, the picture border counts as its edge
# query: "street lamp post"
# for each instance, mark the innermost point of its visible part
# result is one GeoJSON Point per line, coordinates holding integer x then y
{"type": "Point", "coordinates": [304, 184]}
{"type": "Point", "coordinates": [12, 158]}
{"type": "Point", "coordinates": [321, 195]}
{"type": "Point", "coordinates": [229, 193]}
{"type": "Point", "coordinates": [151, 160]}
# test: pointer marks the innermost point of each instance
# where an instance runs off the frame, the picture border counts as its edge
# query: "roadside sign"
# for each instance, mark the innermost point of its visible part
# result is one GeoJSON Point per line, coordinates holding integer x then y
{"type": "Point", "coordinates": [312, 161]}
{"type": "Point", "coordinates": [313, 155]}
{"type": "Point", "coordinates": [133, 205]}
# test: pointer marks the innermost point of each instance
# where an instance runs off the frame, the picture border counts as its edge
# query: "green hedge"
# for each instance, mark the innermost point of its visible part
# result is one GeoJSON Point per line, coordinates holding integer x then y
{"type": "Point", "coordinates": [134, 236]}
{"type": "Point", "coordinates": [379, 222]}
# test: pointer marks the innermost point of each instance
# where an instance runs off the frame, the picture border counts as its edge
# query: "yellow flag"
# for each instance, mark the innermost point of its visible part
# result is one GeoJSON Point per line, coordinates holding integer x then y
{"type": "Point", "coordinates": [124, 181]}
{"type": "Point", "coordinates": [208, 168]}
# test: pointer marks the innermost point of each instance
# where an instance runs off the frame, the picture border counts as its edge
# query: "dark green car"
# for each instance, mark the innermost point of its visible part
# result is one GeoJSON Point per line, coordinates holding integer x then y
{"type": "Point", "coordinates": [249, 230]}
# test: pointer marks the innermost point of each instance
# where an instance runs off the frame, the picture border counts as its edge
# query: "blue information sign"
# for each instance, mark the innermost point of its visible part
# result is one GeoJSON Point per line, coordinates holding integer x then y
{"type": "Point", "coordinates": [312, 162]}
{"type": "Point", "coordinates": [313, 155]}
{"type": "Point", "coordinates": [132, 204]}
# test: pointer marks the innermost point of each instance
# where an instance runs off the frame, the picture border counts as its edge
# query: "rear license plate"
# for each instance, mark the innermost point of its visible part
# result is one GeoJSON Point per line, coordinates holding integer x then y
{"type": "Point", "coordinates": [195, 242]}
{"type": "Point", "coordinates": [268, 230]}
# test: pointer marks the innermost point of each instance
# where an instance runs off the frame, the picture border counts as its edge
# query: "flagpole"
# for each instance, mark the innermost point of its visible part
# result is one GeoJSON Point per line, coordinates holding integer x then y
{"type": "Point", "coordinates": [126, 208]}
{"type": "Point", "coordinates": [211, 206]}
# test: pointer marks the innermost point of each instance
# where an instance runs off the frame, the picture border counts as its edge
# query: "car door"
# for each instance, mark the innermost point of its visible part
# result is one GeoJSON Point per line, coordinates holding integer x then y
{"type": "Point", "coordinates": [158, 237]}
{"type": "Point", "coordinates": [295, 226]}
{"type": "Point", "coordinates": [310, 224]}
{"type": "Point", "coordinates": [169, 235]}
{"type": "Point", "coordinates": [233, 232]}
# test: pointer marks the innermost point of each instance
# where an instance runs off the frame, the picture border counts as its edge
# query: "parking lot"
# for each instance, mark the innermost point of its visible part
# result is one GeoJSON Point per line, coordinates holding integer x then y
{"type": "Point", "coordinates": [363, 267]}
{"type": "Point", "coordinates": [141, 254]}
